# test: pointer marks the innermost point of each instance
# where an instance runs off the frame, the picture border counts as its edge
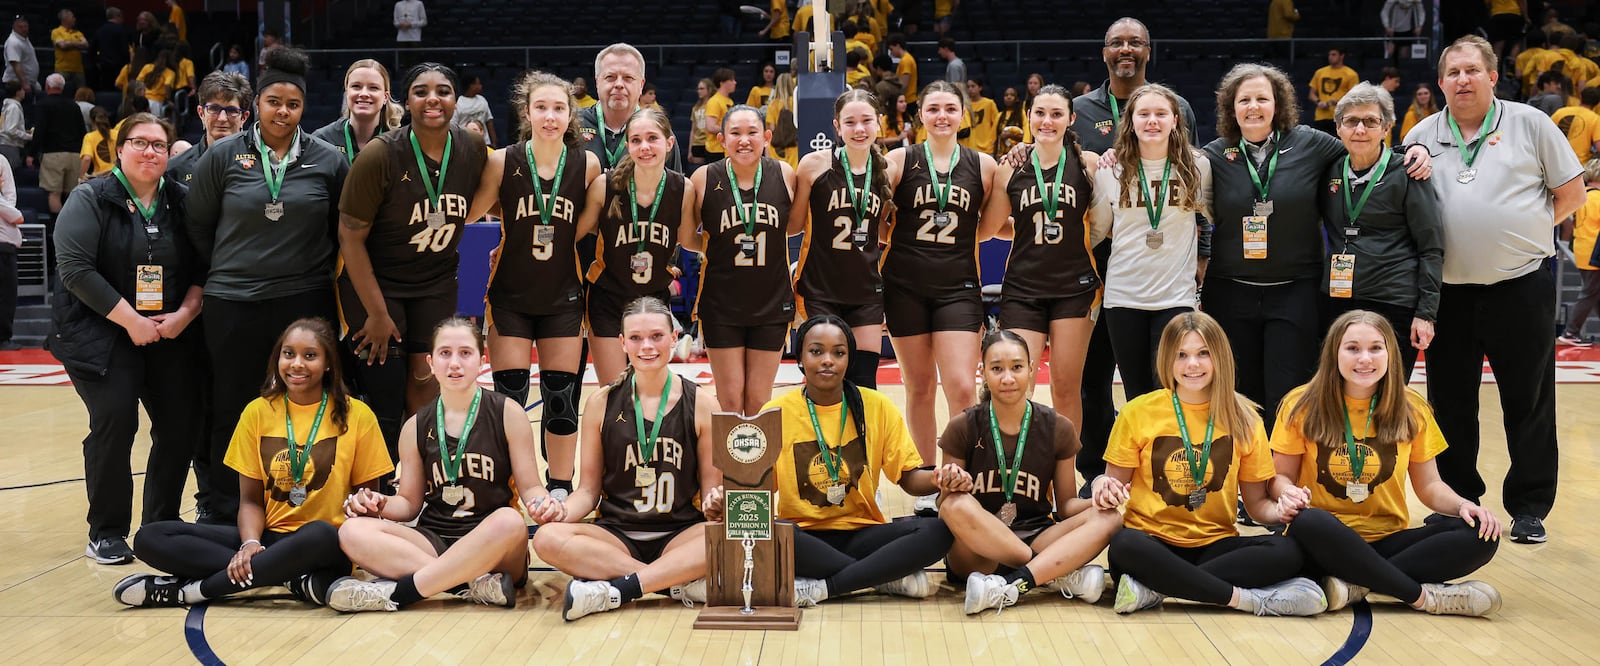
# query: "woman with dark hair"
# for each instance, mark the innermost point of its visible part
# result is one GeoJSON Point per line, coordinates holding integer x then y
{"type": "Point", "coordinates": [366, 110]}
{"type": "Point", "coordinates": [1013, 122]}
{"type": "Point", "coordinates": [97, 153]}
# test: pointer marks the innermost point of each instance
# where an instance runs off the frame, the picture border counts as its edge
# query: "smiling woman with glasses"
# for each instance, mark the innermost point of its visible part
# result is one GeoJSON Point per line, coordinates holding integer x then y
{"type": "Point", "coordinates": [223, 109]}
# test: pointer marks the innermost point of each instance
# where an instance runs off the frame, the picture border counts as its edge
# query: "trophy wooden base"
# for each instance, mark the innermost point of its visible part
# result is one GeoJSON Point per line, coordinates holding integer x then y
{"type": "Point", "coordinates": [773, 596]}
{"type": "Point", "coordinates": [764, 618]}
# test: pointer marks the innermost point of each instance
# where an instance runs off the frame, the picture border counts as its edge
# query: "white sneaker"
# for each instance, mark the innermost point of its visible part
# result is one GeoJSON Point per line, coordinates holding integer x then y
{"type": "Point", "coordinates": [148, 590]}
{"type": "Point", "coordinates": [1133, 596]}
{"type": "Point", "coordinates": [1342, 593]}
{"type": "Point", "coordinates": [985, 591]}
{"type": "Point", "coordinates": [808, 592]}
{"type": "Point", "coordinates": [353, 595]}
{"type": "Point", "coordinates": [491, 589]}
{"type": "Point", "coordinates": [1087, 583]}
{"type": "Point", "coordinates": [1473, 598]}
{"type": "Point", "coordinates": [690, 593]}
{"type": "Point", "coordinates": [1299, 597]}
{"type": "Point", "coordinates": [926, 506]}
{"type": "Point", "coordinates": [915, 586]}
{"type": "Point", "coordinates": [585, 597]}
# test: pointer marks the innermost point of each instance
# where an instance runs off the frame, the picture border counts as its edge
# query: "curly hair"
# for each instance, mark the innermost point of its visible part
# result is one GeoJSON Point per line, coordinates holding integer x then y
{"type": "Point", "coordinates": [522, 93]}
{"type": "Point", "coordinates": [1286, 105]}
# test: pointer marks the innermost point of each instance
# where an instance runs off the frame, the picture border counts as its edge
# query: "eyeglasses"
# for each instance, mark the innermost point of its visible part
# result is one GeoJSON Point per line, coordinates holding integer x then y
{"type": "Point", "coordinates": [1126, 43]}
{"type": "Point", "coordinates": [1370, 122]}
{"type": "Point", "coordinates": [146, 144]}
{"type": "Point", "coordinates": [216, 109]}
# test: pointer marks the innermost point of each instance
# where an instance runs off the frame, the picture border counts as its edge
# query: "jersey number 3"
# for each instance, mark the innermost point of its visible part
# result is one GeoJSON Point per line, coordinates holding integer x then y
{"type": "Point", "coordinates": [657, 496]}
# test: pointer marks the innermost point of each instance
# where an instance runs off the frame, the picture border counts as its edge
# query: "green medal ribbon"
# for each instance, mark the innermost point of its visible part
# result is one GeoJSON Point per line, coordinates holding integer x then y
{"type": "Point", "coordinates": [1116, 113]}
{"type": "Point", "coordinates": [150, 212]}
{"type": "Point", "coordinates": [1354, 210]}
{"type": "Point", "coordinates": [1468, 157]}
{"type": "Point", "coordinates": [858, 196]}
{"type": "Point", "coordinates": [349, 143]}
{"type": "Point", "coordinates": [942, 193]}
{"type": "Point", "coordinates": [647, 447]}
{"type": "Point", "coordinates": [1155, 206]}
{"type": "Point", "coordinates": [1052, 201]}
{"type": "Point", "coordinates": [1272, 166]}
{"type": "Point", "coordinates": [452, 463]}
{"type": "Point", "coordinates": [614, 156]}
{"type": "Point", "coordinates": [748, 217]}
{"type": "Point", "coordinates": [547, 203]}
{"type": "Point", "coordinates": [299, 456]}
{"type": "Point", "coordinates": [633, 207]}
{"type": "Point", "coordinates": [1358, 454]}
{"type": "Point", "coordinates": [831, 460]}
{"type": "Point", "coordinates": [1008, 476]}
{"type": "Point", "coordinates": [434, 191]}
{"type": "Point", "coordinates": [1197, 466]}
{"type": "Point", "coordinates": [274, 178]}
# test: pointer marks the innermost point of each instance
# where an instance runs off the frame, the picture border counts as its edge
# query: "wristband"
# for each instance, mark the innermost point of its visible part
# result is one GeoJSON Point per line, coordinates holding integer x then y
{"type": "Point", "coordinates": [250, 541]}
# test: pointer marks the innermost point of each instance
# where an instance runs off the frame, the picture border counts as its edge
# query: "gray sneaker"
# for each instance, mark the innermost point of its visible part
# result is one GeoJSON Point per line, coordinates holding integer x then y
{"type": "Point", "coordinates": [808, 592]}
{"type": "Point", "coordinates": [915, 586]}
{"type": "Point", "coordinates": [114, 550]}
{"type": "Point", "coordinates": [1133, 596]}
{"type": "Point", "coordinates": [1087, 583]}
{"type": "Point", "coordinates": [690, 593]}
{"type": "Point", "coordinates": [985, 591]}
{"type": "Point", "coordinates": [353, 595]}
{"type": "Point", "coordinates": [491, 589]}
{"type": "Point", "coordinates": [1473, 598]}
{"type": "Point", "coordinates": [1342, 593]}
{"type": "Point", "coordinates": [586, 597]}
{"type": "Point", "coordinates": [1298, 597]}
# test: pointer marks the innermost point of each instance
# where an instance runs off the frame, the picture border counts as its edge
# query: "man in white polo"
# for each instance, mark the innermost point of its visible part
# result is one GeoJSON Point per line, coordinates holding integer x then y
{"type": "Point", "coordinates": [1505, 176]}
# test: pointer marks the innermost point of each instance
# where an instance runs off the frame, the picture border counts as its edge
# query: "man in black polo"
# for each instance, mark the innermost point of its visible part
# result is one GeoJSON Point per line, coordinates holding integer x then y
{"type": "Point", "coordinates": [619, 78]}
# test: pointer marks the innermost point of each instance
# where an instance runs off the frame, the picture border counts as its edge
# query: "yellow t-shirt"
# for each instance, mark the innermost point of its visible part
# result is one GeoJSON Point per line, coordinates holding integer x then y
{"type": "Point", "coordinates": [985, 118]}
{"type": "Point", "coordinates": [186, 73]}
{"type": "Point", "coordinates": [91, 143]}
{"type": "Point", "coordinates": [868, 40]}
{"type": "Point", "coordinates": [179, 21]}
{"type": "Point", "coordinates": [853, 44]}
{"type": "Point", "coordinates": [802, 18]}
{"type": "Point", "coordinates": [854, 76]}
{"type": "Point", "coordinates": [1503, 7]}
{"type": "Point", "coordinates": [780, 11]}
{"type": "Point", "coordinates": [716, 107]}
{"type": "Point", "coordinates": [1582, 128]}
{"type": "Point", "coordinates": [67, 60]}
{"type": "Point", "coordinates": [1146, 431]}
{"type": "Point", "coordinates": [1326, 469]}
{"type": "Point", "coordinates": [1331, 84]}
{"type": "Point", "coordinates": [1578, 67]}
{"type": "Point", "coordinates": [1540, 62]}
{"type": "Point", "coordinates": [163, 87]}
{"type": "Point", "coordinates": [758, 96]}
{"type": "Point", "coordinates": [887, 449]}
{"type": "Point", "coordinates": [1586, 229]}
{"type": "Point", "coordinates": [587, 101]}
{"type": "Point", "coordinates": [339, 463]}
{"type": "Point", "coordinates": [790, 154]}
{"type": "Point", "coordinates": [1410, 121]}
{"type": "Point", "coordinates": [908, 65]}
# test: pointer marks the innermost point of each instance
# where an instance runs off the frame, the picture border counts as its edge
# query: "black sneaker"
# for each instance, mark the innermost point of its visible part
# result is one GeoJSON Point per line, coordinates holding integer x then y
{"type": "Point", "coordinates": [1527, 529]}
{"type": "Point", "coordinates": [148, 590]}
{"type": "Point", "coordinates": [112, 551]}
{"type": "Point", "coordinates": [8, 345]}
{"type": "Point", "coordinates": [309, 588]}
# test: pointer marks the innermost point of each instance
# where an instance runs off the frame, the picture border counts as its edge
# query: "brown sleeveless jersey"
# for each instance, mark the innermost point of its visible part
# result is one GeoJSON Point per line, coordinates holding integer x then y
{"type": "Point", "coordinates": [1032, 492]}
{"type": "Point", "coordinates": [619, 239]}
{"type": "Point", "coordinates": [485, 472]}
{"type": "Point", "coordinates": [1048, 262]}
{"type": "Point", "coordinates": [735, 289]}
{"type": "Point", "coordinates": [922, 256]}
{"type": "Point", "coordinates": [532, 277]}
{"type": "Point", "coordinates": [833, 267]}
{"type": "Point", "coordinates": [668, 503]}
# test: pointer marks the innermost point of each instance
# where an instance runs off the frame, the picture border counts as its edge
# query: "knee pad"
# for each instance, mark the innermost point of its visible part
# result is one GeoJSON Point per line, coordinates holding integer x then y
{"type": "Point", "coordinates": [513, 384]}
{"type": "Point", "coordinates": [559, 391]}
{"type": "Point", "coordinates": [863, 369]}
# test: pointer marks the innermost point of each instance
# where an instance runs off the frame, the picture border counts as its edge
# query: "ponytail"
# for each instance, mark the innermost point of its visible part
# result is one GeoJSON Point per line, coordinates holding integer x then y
{"type": "Point", "coordinates": [852, 393]}
{"type": "Point", "coordinates": [880, 180]}
{"type": "Point", "coordinates": [621, 175]}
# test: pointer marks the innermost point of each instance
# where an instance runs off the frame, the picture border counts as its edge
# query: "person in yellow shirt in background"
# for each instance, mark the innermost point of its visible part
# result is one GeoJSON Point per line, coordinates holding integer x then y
{"type": "Point", "coordinates": [722, 87]}
{"type": "Point", "coordinates": [785, 142]}
{"type": "Point", "coordinates": [777, 29]}
{"type": "Point", "coordinates": [70, 45]}
{"type": "Point", "coordinates": [855, 36]}
{"type": "Point", "coordinates": [802, 18]}
{"type": "Point", "coordinates": [1281, 16]}
{"type": "Point", "coordinates": [761, 92]}
{"type": "Point", "coordinates": [580, 93]}
{"type": "Point", "coordinates": [1579, 68]}
{"type": "Point", "coordinates": [1507, 20]}
{"type": "Point", "coordinates": [1581, 124]}
{"type": "Point", "coordinates": [1584, 232]}
{"type": "Point", "coordinates": [906, 65]}
{"type": "Point", "coordinates": [1422, 106]}
{"type": "Point", "coordinates": [985, 118]}
{"type": "Point", "coordinates": [1535, 59]}
{"type": "Point", "coordinates": [1328, 86]}
{"type": "Point", "coordinates": [856, 67]}
{"type": "Point", "coordinates": [178, 20]}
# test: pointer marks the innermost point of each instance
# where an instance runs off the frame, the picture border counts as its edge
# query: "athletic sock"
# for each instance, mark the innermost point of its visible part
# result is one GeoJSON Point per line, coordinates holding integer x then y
{"type": "Point", "coordinates": [863, 370]}
{"type": "Point", "coordinates": [405, 591]}
{"type": "Point", "coordinates": [1023, 576]}
{"type": "Point", "coordinates": [191, 593]}
{"type": "Point", "coordinates": [512, 383]}
{"type": "Point", "coordinates": [629, 587]}
{"type": "Point", "coordinates": [1249, 601]}
{"type": "Point", "coordinates": [562, 484]}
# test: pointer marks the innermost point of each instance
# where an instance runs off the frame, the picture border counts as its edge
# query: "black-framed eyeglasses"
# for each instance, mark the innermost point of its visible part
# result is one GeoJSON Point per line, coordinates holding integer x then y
{"type": "Point", "coordinates": [218, 109]}
{"type": "Point", "coordinates": [1352, 122]}
{"type": "Point", "coordinates": [146, 144]}
{"type": "Point", "coordinates": [1126, 43]}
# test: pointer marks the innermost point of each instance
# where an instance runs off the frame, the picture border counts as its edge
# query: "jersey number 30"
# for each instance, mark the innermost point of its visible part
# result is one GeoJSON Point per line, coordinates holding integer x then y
{"type": "Point", "coordinates": [658, 496]}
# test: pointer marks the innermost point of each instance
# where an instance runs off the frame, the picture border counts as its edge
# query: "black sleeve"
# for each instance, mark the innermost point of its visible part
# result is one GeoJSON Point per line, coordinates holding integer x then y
{"type": "Point", "coordinates": [1427, 231]}
{"type": "Point", "coordinates": [77, 239]}
{"type": "Point", "coordinates": [204, 205]}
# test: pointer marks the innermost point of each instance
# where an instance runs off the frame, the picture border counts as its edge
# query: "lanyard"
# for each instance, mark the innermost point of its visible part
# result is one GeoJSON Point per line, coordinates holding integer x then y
{"type": "Point", "coordinates": [748, 217]}
{"type": "Point", "coordinates": [1197, 466]}
{"type": "Point", "coordinates": [858, 196]}
{"type": "Point", "coordinates": [832, 460]}
{"type": "Point", "coordinates": [349, 143]}
{"type": "Point", "coordinates": [1468, 157]}
{"type": "Point", "coordinates": [1272, 166]}
{"type": "Point", "coordinates": [613, 156]}
{"type": "Point", "coordinates": [647, 447]}
{"type": "Point", "coordinates": [434, 191]}
{"type": "Point", "coordinates": [452, 464]}
{"type": "Point", "coordinates": [1358, 454]}
{"type": "Point", "coordinates": [1116, 113]}
{"type": "Point", "coordinates": [941, 193]}
{"type": "Point", "coordinates": [1049, 199]}
{"type": "Point", "coordinates": [275, 179]}
{"type": "Point", "coordinates": [633, 207]}
{"type": "Point", "coordinates": [1008, 476]}
{"type": "Point", "coordinates": [547, 203]}
{"type": "Point", "coordinates": [149, 213]}
{"type": "Point", "coordinates": [1154, 206]}
{"type": "Point", "coordinates": [1354, 210]}
{"type": "Point", "coordinates": [298, 456]}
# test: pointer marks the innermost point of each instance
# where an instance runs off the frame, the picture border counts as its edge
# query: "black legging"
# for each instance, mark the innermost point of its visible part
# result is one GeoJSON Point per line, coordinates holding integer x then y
{"type": "Point", "coordinates": [202, 552]}
{"type": "Point", "coordinates": [850, 560]}
{"type": "Point", "coordinates": [1135, 336]}
{"type": "Point", "coordinates": [1206, 573]}
{"type": "Point", "coordinates": [1396, 565]}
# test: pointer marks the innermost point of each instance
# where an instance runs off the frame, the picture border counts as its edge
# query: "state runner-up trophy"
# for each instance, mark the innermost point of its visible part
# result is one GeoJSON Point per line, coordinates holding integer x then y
{"type": "Point", "coordinates": [749, 557]}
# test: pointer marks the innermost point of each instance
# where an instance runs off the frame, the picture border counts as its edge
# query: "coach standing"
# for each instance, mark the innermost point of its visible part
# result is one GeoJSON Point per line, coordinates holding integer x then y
{"type": "Point", "coordinates": [1505, 175]}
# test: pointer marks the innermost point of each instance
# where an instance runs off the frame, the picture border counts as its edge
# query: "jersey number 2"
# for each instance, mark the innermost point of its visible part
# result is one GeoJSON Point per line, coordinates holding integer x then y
{"type": "Point", "coordinates": [931, 233]}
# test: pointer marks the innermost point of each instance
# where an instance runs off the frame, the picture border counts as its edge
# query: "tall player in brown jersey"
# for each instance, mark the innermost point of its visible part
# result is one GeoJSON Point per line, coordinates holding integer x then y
{"type": "Point", "coordinates": [746, 301]}
{"type": "Point", "coordinates": [458, 488]}
{"type": "Point", "coordinates": [400, 219]}
{"type": "Point", "coordinates": [1008, 478]}
{"type": "Point", "coordinates": [646, 458]}
{"type": "Point", "coordinates": [542, 188]}
{"type": "Point", "coordinates": [931, 294]}
{"type": "Point", "coordinates": [1051, 288]}
{"type": "Point", "coordinates": [841, 210]}
{"type": "Point", "coordinates": [647, 208]}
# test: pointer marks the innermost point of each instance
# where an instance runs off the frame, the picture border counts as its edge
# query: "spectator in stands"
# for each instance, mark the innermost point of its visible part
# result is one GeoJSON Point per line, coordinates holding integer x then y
{"type": "Point", "coordinates": [1400, 17]}
{"type": "Point", "coordinates": [22, 64]}
{"type": "Point", "coordinates": [133, 101]}
{"type": "Point", "coordinates": [857, 74]}
{"type": "Point", "coordinates": [723, 85]}
{"type": "Point", "coordinates": [580, 93]}
{"type": "Point", "coordinates": [647, 98]}
{"type": "Point", "coordinates": [236, 63]}
{"type": "Point", "coordinates": [70, 45]}
{"type": "Point", "coordinates": [1013, 121]}
{"type": "Point", "coordinates": [985, 118]}
{"type": "Point", "coordinates": [85, 100]}
{"type": "Point", "coordinates": [1507, 20]}
{"type": "Point", "coordinates": [1422, 106]}
{"type": "Point", "coordinates": [1535, 59]}
{"type": "Point", "coordinates": [185, 82]}
{"type": "Point", "coordinates": [1551, 25]}
{"type": "Point", "coordinates": [697, 124]}
{"type": "Point", "coordinates": [1281, 17]}
{"type": "Point", "coordinates": [955, 70]}
{"type": "Point", "coordinates": [471, 105]}
{"type": "Point", "coordinates": [1581, 124]}
{"type": "Point", "coordinates": [777, 29]}
{"type": "Point", "coordinates": [10, 242]}
{"type": "Point", "coordinates": [619, 74]}
{"type": "Point", "coordinates": [110, 47]}
{"type": "Point", "coordinates": [896, 125]}
{"type": "Point", "coordinates": [905, 66]}
{"type": "Point", "coordinates": [96, 153]}
{"type": "Point", "coordinates": [761, 92]}
{"type": "Point", "coordinates": [1552, 93]}
{"type": "Point", "coordinates": [1034, 82]}
{"type": "Point", "coordinates": [1329, 84]}
{"type": "Point", "coordinates": [178, 20]}
{"type": "Point", "coordinates": [1391, 80]}
{"type": "Point", "coordinates": [886, 81]}
{"type": "Point", "coordinates": [14, 135]}
{"type": "Point", "coordinates": [159, 77]}
{"type": "Point", "coordinates": [1584, 231]}
{"type": "Point", "coordinates": [1578, 68]}
{"type": "Point", "coordinates": [147, 32]}
{"type": "Point", "coordinates": [410, 17]}
{"type": "Point", "coordinates": [1080, 88]}
{"type": "Point", "coordinates": [270, 39]}
{"type": "Point", "coordinates": [224, 107]}
{"type": "Point", "coordinates": [785, 138]}
{"type": "Point", "coordinates": [57, 136]}
{"type": "Point", "coordinates": [943, 16]}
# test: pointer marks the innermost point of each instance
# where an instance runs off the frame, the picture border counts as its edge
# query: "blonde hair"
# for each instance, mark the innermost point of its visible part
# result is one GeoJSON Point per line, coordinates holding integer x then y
{"type": "Point", "coordinates": [1470, 42]}
{"type": "Point", "coordinates": [392, 112]}
{"type": "Point", "coordinates": [1320, 409]}
{"type": "Point", "coordinates": [1186, 175]}
{"type": "Point", "coordinates": [1234, 413]}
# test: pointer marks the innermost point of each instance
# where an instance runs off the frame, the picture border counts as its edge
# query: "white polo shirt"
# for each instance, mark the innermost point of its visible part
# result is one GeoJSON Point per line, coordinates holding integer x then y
{"type": "Point", "coordinates": [1499, 225]}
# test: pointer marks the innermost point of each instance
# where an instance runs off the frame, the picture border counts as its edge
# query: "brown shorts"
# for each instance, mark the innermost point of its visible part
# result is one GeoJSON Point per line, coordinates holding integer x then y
{"type": "Point", "coordinates": [645, 550]}
{"type": "Point", "coordinates": [414, 317]}
{"type": "Point", "coordinates": [765, 337]}
{"type": "Point", "coordinates": [605, 310]}
{"type": "Point", "coordinates": [909, 313]}
{"type": "Point", "coordinates": [534, 327]}
{"type": "Point", "coordinates": [1035, 314]}
{"type": "Point", "coordinates": [58, 172]}
{"type": "Point", "coordinates": [870, 314]}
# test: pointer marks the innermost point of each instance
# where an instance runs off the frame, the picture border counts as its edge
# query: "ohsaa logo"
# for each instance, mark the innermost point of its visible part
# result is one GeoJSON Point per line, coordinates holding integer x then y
{"type": "Point", "coordinates": [747, 443]}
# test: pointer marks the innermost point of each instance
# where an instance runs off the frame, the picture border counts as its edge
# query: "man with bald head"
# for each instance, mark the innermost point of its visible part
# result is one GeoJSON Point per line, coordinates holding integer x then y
{"type": "Point", "coordinates": [619, 80]}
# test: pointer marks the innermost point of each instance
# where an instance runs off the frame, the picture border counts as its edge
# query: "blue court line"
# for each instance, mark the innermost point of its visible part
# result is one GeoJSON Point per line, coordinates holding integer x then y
{"type": "Point", "coordinates": [194, 633]}
{"type": "Point", "coordinates": [536, 403]}
{"type": "Point", "coordinates": [1360, 631]}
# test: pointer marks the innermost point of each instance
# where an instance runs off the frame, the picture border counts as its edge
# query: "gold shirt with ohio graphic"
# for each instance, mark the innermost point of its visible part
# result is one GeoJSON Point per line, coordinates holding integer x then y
{"type": "Point", "coordinates": [1146, 439]}
{"type": "Point", "coordinates": [1326, 469]}
{"type": "Point", "coordinates": [803, 478]}
{"type": "Point", "coordinates": [339, 461]}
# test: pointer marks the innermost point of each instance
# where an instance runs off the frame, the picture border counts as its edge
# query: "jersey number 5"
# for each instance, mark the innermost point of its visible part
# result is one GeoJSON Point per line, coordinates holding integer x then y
{"type": "Point", "coordinates": [433, 240]}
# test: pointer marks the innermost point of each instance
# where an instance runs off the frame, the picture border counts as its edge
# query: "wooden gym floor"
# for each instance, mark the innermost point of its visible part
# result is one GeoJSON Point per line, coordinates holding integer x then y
{"type": "Point", "coordinates": [56, 606]}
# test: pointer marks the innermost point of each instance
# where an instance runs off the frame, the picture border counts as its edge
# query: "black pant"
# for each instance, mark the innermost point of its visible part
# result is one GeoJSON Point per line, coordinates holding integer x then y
{"type": "Point", "coordinates": [1099, 406]}
{"type": "Point", "coordinates": [8, 289]}
{"type": "Point", "coordinates": [1581, 309]}
{"type": "Point", "coordinates": [1274, 333]}
{"type": "Point", "coordinates": [162, 376]}
{"type": "Point", "coordinates": [850, 560]}
{"type": "Point", "coordinates": [1510, 323]}
{"type": "Point", "coordinates": [1396, 565]}
{"type": "Point", "coordinates": [1135, 335]}
{"type": "Point", "coordinates": [1398, 317]}
{"type": "Point", "coordinates": [202, 552]}
{"type": "Point", "coordinates": [239, 336]}
{"type": "Point", "coordinates": [1206, 574]}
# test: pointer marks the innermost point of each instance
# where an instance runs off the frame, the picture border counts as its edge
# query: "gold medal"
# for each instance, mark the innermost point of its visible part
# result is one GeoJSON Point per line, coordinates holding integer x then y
{"type": "Point", "coordinates": [453, 494]}
{"type": "Point", "coordinates": [643, 476]}
{"type": "Point", "coordinates": [1007, 513]}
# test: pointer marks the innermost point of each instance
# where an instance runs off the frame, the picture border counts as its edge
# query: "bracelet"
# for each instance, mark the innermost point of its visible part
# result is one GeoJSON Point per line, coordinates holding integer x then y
{"type": "Point", "coordinates": [250, 541]}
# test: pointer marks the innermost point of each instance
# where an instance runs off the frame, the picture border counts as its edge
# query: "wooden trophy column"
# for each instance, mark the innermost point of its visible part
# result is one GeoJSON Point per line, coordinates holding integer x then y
{"type": "Point", "coordinates": [745, 451]}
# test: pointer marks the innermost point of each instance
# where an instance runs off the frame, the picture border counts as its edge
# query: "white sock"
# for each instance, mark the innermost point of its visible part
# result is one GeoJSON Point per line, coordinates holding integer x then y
{"type": "Point", "coordinates": [1248, 600]}
{"type": "Point", "coordinates": [191, 593]}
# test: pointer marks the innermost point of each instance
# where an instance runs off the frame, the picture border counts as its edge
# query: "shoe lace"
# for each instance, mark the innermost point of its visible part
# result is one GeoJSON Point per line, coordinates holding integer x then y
{"type": "Point", "coordinates": [482, 590]}
{"type": "Point", "coordinates": [1065, 583]}
{"type": "Point", "coordinates": [370, 596]}
{"type": "Point", "coordinates": [681, 593]}
{"type": "Point", "coordinates": [157, 593]}
{"type": "Point", "coordinates": [1004, 599]}
{"type": "Point", "coordinates": [1453, 601]}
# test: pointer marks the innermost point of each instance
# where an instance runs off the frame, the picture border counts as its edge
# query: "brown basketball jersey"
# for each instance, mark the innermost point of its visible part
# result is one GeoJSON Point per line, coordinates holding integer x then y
{"type": "Point", "coordinates": [485, 472]}
{"type": "Point", "coordinates": [532, 277]}
{"type": "Point", "coordinates": [619, 240]}
{"type": "Point", "coordinates": [385, 188]}
{"type": "Point", "coordinates": [736, 289]}
{"type": "Point", "coordinates": [1032, 492]}
{"type": "Point", "coordinates": [1050, 261]}
{"type": "Point", "coordinates": [923, 256]}
{"type": "Point", "coordinates": [834, 268]}
{"type": "Point", "coordinates": [668, 503]}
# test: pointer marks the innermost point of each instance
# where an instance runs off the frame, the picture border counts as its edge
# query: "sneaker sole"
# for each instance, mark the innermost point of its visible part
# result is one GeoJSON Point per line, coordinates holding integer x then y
{"type": "Point", "coordinates": [89, 553]}
{"type": "Point", "coordinates": [509, 589]}
{"type": "Point", "coordinates": [566, 605]}
{"type": "Point", "coordinates": [1531, 538]}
